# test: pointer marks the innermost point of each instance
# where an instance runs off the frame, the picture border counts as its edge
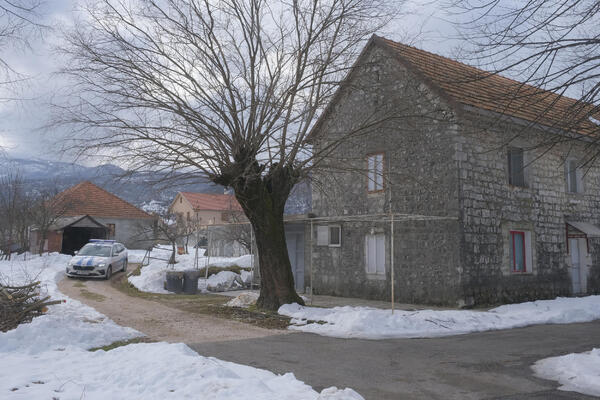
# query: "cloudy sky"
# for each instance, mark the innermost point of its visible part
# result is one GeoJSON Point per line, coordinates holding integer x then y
{"type": "Point", "coordinates": [22, 123]}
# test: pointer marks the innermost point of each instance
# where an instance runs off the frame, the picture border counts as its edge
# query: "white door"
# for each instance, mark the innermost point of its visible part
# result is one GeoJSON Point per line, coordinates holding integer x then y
{"type": "Point", "coordinates": [578, 277]}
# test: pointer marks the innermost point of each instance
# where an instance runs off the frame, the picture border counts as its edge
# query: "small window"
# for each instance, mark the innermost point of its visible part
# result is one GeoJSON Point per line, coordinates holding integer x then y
{"type": "Point", "coordinates": [335, 236]}
{"type": "Point", "coordinates": [574, 177]}
{"type": "Point", "coordinates": [375, 173]}
{"type": "Point", "coordinates": [516, 167]}
{"type": "Point", "coordinates": [180, 200]}
{"type": "Point", "coordinates": [329, 235]}
{"type": "Point", "coordinates": [375, 254]}
{"type": "Point", "coordinates": [518, 253]}
{"type": "Point", "coordinates": [187, 216]}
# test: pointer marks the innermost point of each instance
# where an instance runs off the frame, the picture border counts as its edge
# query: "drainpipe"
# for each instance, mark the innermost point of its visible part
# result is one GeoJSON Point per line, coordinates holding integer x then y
{"type": "Point", "coordinates": [311, 261]}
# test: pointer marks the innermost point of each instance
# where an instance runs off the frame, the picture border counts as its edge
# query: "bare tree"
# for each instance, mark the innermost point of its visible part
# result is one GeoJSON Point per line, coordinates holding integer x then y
{"type": "Point", "coordinates": [168, 228]}
{"type": "Point", "coordinates": [19, 20]}
{"type": "Point", "coordinates": [552, 45]}
{"type": "Point", "coordinates": [44, 210]}
{"type": "Point", "coordinates": [225, 89]}
{"type": "Point", "coordinates": [13, 213]}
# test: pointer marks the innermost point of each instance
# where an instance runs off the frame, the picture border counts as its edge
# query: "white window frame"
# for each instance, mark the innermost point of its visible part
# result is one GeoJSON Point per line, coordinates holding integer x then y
{"type": "Point", "coordinates": [339, 238]}
{"type": "Point", "coordinates": [377, 242]}
{"type": "Point", "coordinates": [324, 235]}
{"type": "Point", "coordinates": [569, 178]}
{"type": "Point", "coordinates": [375, 172]}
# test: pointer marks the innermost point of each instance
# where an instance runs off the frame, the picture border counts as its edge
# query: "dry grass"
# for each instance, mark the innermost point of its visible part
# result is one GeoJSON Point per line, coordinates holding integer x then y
{"type": "Point", "coordinates": [210, 304]}
{"type": "Point", "coordinates": [121, 343]}
{"type": "Point", "coordinates": [92, 296]}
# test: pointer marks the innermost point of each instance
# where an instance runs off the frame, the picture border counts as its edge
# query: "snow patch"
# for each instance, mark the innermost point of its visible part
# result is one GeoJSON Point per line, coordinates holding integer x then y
{"type": "Point", "coordinates": [152, 276]}
{"type": "Point", "coordinates": [371, 323]}
{"type": "Point", "coordinates": [67, 324]}
{"type": "Point", "coordinates": [576, 372]}
{"type": "Point", "coordinates": [243, 300]}
{"type": "Point", "coordinates": [47, 358]}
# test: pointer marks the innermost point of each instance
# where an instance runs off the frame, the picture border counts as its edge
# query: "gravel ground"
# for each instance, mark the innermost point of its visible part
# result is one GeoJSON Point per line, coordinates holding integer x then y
{"type": "Point", "coordinates": [157, 321]}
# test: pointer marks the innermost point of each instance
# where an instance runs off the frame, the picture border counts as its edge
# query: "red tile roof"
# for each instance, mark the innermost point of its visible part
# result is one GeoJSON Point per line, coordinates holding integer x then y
{"type": "Point", "coordinates": [212, 202]}
{"type": "Point", "coordinates": [86, 198]}
{"type": "Point", "coordinates": [474, 87]}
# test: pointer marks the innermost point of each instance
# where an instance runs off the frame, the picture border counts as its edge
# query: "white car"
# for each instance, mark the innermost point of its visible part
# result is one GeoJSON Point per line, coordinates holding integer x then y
{"type": "Point", "coordinates": [99, 258]}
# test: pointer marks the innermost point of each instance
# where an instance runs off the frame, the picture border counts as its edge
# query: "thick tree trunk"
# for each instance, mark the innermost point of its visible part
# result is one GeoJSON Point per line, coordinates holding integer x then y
{"type": "Point", "coordinates": [263, 200]}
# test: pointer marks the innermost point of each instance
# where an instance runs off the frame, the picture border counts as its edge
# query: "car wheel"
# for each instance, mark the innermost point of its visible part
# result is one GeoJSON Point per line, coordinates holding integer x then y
{"type": "Point", "coordinates": [108, 273]}
{"type": "Point", "coordinates": [125, 266]}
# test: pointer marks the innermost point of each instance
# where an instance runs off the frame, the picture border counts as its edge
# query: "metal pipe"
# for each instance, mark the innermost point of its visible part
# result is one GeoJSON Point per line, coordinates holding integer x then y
{"type": "Point", "coordinates": [208, 251]}
{"type": "Point", "coordinates": [311, 262]}
{"type": "Point", "coordinates": [252, 257]}
{"type": "Point", "coordinates": [392, 261]}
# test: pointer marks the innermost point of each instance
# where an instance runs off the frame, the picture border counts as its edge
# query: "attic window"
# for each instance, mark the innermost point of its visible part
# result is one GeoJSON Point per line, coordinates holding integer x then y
{"type": "Point", "coordinates": [516, 167]}
{"type": "Point", "coordinates": [180, 200]}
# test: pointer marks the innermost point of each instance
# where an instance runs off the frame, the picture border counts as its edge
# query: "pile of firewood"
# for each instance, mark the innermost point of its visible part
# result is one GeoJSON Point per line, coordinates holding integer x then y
{"type": "Point", "coordinates": [20, 304]}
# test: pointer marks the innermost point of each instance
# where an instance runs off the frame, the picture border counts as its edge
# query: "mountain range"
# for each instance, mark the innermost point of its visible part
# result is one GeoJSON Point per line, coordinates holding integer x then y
{"type": "Point", "coordinates": [138, 188]}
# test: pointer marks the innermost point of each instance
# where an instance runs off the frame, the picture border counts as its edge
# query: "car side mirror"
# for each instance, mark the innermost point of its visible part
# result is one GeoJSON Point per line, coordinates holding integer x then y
{"type": "Point", "coordinates": [75, 252]}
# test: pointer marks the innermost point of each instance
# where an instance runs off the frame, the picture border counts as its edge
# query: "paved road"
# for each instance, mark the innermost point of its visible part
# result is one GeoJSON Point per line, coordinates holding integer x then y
{"type": "Point", "coordinates": [490, 365]}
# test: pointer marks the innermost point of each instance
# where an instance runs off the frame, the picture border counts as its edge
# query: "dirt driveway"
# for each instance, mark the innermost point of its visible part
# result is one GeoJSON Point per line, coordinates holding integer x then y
{"type": "Point", "coordinates": [158, 321]}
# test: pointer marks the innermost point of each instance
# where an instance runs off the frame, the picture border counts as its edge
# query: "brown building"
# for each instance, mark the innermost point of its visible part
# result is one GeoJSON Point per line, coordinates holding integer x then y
{"type": "Point", "coordinates": [90, 212]}
{"type": "Point", "coordinates": [207, 208]}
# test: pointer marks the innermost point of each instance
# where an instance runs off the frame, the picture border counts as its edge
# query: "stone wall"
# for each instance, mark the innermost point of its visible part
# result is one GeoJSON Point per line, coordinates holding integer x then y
{"type": "Point", "coordinates": [448, 164]}
{"type": "Point", "coordinates": [491, 208]}
{"type": "Point", "coordinates": [417, 135]}
{"type": "Point", "coordinates": [426, 263]}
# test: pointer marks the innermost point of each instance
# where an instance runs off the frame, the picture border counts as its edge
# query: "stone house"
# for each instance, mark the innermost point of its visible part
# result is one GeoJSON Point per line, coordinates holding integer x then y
{"type": "Point", "coordinates": [489, 181]}
{"type": "Point", "coordinates": [90, 212]}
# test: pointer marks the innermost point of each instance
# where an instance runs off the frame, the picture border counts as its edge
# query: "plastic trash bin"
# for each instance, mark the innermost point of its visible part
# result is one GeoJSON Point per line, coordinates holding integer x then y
{"type": "Point", "coordinates": [190, 281]}
{"type": "Point", "coordinates": [174, 281]}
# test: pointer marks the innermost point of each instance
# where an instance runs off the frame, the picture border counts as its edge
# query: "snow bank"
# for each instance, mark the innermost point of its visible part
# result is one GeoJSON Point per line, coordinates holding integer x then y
{"type": "Point", "coordinates": [67, 324]}
{"type": "Point", "coordinates": [47, 358]}
{"type": "Point", "coordinates": [147, 371]}
{"type": "Point", "coordinates": [370, 323]}
{"type": "Point", "coordinates": [575, 372]}
{"type": "Point", "coordinates": [152, 276]}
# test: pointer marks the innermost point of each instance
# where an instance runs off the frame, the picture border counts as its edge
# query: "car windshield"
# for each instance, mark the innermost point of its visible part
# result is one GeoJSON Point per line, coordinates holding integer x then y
{"type": "Point", "coordinates": [95, 250]}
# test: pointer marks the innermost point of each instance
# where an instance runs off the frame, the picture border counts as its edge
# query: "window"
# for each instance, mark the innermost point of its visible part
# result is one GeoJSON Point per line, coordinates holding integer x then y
{"type": "Point", "coordinates": [187, 215]}
{"type": "Point", "coordinates": [375, 173]}
{"type": "Point", "coordinates": [335, 236]}
{"type": "Point", "coordinates": [516, 167]}
{"type": "Point", "coordinates": [329, 235]}
{"type": "Point", "coordinates": [520, 251]}
{"type": "Point", "coordinates": [574, 177]}
{"type": "Point", "coordinates": [375, 253]}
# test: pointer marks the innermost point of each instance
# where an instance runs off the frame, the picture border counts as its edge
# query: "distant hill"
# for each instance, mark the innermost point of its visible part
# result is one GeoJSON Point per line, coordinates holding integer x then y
{"type": "Point", "coordinates": [138, 188]}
